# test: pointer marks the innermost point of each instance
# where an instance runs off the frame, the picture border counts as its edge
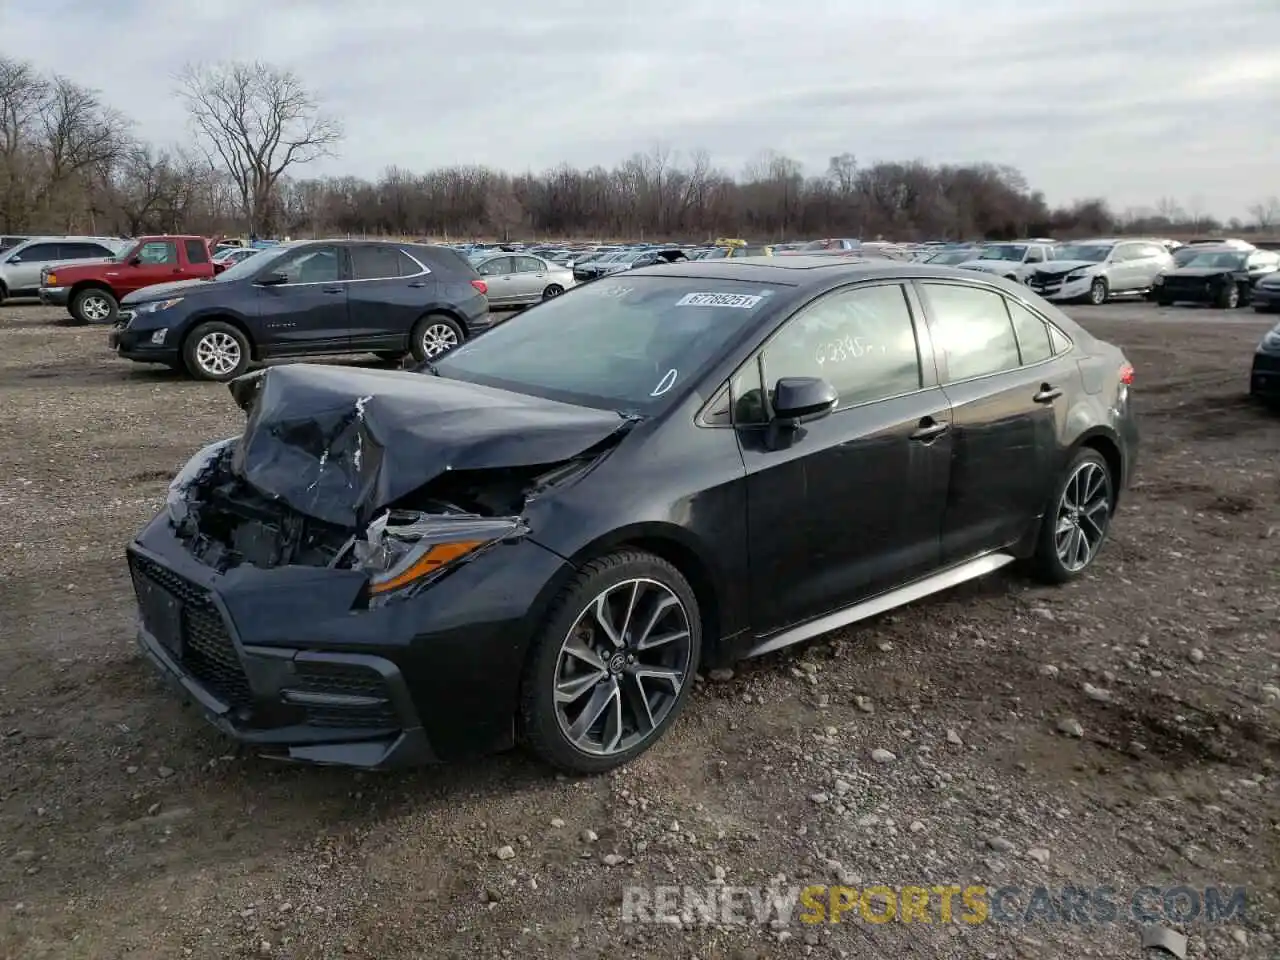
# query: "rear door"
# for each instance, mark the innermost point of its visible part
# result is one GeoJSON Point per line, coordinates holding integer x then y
{"type": "Point", "coordinates": [1007, 393]}
{"type": "Point", "coordinates": [198, 263]}
{"type": "Point", "coordinates": [388, 292]}
{"type": "Point", "coordinates": [529, 279]}
{"type": "Point", "coordinates": [307, 313]}
{"type": "Point", "coordinates": [22, 267]}
{"type": "Point", "coordinates": [498, 275]}
{"type": "Point", "coordinates": [851, 505]}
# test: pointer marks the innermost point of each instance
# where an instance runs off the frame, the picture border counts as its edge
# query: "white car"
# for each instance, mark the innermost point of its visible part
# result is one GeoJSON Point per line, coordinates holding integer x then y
{"type": "Point", "coordinates": [1014, 261]}
{"type": "Point", "coordinates": [1094, 270]}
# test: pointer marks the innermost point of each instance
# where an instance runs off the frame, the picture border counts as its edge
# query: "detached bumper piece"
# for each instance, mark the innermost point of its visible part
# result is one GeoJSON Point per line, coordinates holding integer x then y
{"type": "Point", "coordinates": [294, 704]}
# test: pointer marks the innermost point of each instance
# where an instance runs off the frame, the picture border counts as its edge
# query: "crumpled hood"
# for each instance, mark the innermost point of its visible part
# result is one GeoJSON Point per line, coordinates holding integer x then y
{"type": "Point", "coordinates": [161, 291]}
{"type": "Point", "coordinates": [339, 444]}
{"type": "Point", "coordinates": [1061, 267]}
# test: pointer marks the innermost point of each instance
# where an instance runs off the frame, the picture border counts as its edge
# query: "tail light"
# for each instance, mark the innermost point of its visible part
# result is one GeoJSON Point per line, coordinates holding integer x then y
{"type": "Point", "coordinates": [480, 285]}
{"type": "Point", "coordinates": [1126, 374]}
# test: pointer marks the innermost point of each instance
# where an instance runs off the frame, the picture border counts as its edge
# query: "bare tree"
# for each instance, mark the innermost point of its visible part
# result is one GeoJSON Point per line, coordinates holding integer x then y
{"type": "Point", "coordinates": [1266, 213]}
{"type": "Point", "coordinates": [258, 121]}
{"type": "Point", "coordinates": [23, 92]}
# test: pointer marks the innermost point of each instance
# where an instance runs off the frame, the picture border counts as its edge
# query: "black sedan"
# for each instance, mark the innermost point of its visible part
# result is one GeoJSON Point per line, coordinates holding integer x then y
{"type": "Point", "coordinates": [544, 534]}
{"type": "Point", "coordinates": [1223, 277]}
{"type": "Point", "coordinates": [1266, 294]}
{"type": "Point", "coordinates": [303, 299]}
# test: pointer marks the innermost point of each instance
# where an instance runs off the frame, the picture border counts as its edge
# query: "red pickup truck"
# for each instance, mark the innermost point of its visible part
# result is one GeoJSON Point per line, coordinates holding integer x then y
{"type": "Point", "coordinates": [91, 292]}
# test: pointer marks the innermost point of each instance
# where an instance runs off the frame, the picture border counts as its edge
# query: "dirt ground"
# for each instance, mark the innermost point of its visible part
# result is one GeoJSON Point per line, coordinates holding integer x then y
{"type": "Point", "coordinates": [129, 828]}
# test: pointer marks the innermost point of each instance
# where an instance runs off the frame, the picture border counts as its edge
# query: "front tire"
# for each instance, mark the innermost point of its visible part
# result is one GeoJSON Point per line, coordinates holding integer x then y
{"type": "Point", "coordinates": [613, 665]}
{"type": "Point", "coordinates": [434, 336]}
{"type": "Point", "coordinates": [1098, 291]}
{"type": "Point", "coordinates": [1077, 520]}
{"type": "Point", "coordinates": [94, 305]}
{"type": "Point", "coordinates": [215, 351]}
{"type": "Point", "coordinates": [1229, 297]}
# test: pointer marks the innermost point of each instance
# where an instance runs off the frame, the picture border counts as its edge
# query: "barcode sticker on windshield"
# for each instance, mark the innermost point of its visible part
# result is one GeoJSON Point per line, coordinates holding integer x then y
{"type": "Point", "coordinates": [740, 301]}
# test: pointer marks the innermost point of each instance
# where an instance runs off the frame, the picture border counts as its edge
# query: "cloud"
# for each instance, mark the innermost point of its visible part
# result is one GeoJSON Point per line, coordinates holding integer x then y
{"type": "Point", "coordinates": [1128, 101]}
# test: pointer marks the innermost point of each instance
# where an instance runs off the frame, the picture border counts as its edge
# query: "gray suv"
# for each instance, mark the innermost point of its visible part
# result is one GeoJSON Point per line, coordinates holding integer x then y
{"type": "Point", "coordinates": [20, 266]}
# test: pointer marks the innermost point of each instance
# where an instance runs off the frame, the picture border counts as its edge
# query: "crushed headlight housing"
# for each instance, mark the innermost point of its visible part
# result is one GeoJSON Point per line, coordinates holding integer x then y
{"type": "Point", "coordinates": [175, 501]}
{"type": "Point", "coordinates": [403, 550]}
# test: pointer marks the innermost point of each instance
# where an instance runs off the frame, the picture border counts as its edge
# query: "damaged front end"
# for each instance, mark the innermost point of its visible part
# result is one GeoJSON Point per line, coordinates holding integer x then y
{"type": "Point", "coordinates": [350, 580]}
{"type": "Point", "coordinates": [400, 483]}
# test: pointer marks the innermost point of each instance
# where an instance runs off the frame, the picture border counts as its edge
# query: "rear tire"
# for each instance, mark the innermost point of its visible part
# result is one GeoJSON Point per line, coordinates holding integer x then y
{"type": "Point", "coordinates": [434, 336]}
{"type": "Point", "coordinates": [553, 290]}
{"type": "Point", "coordinates": [93, 305]}
{"type": "Point", "coordinates": [1076, 520]}
{"type": "Point", "coordinates": [215, 351]}
{"type": "Point", "coordinates": [590, 702]}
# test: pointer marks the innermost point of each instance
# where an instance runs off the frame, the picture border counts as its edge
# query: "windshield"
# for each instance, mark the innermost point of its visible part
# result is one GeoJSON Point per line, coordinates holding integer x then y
{"type": "Point", "coordinates": [1004, 251]}
{"type": "Point", "coordinates": [1227, 261]}
{"type": "Point", "coordinates": [635, 341]}
{"type": "Point", "coordinates": [952, 257]}
{"type": "Point", "coordinates": [250, 265]}
{"type": "Point", "coordinates": [1091, 252]}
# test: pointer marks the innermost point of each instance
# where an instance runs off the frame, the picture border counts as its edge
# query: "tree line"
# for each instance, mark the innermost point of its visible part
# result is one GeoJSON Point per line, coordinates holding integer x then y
{"type": "Point", "coordinates": [69, 162]}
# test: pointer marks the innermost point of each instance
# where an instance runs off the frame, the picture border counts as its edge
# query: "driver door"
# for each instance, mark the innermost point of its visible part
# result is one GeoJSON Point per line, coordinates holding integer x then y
{"type": "Point", "coordinates": [851, 505]}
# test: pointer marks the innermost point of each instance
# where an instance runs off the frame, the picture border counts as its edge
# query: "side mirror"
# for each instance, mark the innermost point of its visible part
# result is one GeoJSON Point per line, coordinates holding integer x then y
{"type": "Point", "coordinates": [798, 400]}
{"type": "Point", "coordinates": [135, 261]}
{"type": "Point", "coordinates": [14, 259]}
{"type": "Point", "coordinates": [272, 279]}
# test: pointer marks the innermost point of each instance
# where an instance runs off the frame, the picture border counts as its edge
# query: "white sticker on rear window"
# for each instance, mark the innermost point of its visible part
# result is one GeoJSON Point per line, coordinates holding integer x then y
{"type": "Point", "coordinates": [740, 301]}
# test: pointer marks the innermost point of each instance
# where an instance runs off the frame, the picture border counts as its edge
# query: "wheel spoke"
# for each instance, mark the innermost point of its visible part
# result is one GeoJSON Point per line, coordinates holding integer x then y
{"type": "Point", "coordinates": [605, 620]}
{"type": "Point", "coordinates": [666, 604]}
{"type": "Point", "coordinates": [631, 608]}
{"type": "Point", "coordinates": [601, 698]}
{"type": "Point", "coordinates": [570, 691]}
{"type": "Point", "coordinates": [674, 678]}
{"type": "Point", "coordinates": [638, 703]}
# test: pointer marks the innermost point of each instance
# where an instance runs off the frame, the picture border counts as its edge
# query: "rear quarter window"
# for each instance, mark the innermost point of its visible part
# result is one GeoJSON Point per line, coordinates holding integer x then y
{"type": "Point", "coordinates": [449, 262]}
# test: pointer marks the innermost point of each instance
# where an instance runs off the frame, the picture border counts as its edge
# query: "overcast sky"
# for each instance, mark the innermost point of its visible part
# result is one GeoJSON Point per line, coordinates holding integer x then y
{"type": "Point", "coordinates": [1128, 99]}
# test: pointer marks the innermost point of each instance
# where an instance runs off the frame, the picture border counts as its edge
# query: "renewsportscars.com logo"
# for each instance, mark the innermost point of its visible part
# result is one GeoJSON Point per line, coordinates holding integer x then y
{"type": "Point", "coordinates": [938, 903]}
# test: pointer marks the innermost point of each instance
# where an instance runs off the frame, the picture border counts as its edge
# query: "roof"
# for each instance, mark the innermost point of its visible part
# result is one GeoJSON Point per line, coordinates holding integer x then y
{"type": "Point", "coordinates": [801, 271]}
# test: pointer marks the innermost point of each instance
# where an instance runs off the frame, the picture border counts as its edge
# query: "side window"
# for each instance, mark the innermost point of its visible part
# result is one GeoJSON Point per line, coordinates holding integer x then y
{"type": "Point", "coordinates": [741, 401]}
{"type": "Point", "coordinates": [497, 267]}
{"type": "Point", "coordinates": [158, 253]}
{"type": "Point", "coordinates": [409, 267]}
{"type": "Point", "coordinates": [1035, 255]}
{"type": "Point", "coordinates": [860, 340]}
{"type": "Point", "coordinates": [1059, 341]}
{"type": "Point", "coordinates": [1032, 333]}
{"type": "Point", "coordinates": [972, 327]}
{"type": "Point", "coordinates": [1152, 250]}
{"type": "Point", "coordinates": [374, 262]}
{"type": "Point", "coordinates": [38, 252]}
{"type": "Point", "coordinates": [529, 265]}
{"type": "Point", "coordinates": [197, 251]}
{"type": "Point", "coordinates": [312, 265]}
{"type": "Point", "coordinates": [1126, 252]}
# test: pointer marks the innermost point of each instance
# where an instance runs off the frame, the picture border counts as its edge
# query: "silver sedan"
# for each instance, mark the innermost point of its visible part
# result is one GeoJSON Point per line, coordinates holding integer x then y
{"type": "Point", "coordinates": [518, 279]}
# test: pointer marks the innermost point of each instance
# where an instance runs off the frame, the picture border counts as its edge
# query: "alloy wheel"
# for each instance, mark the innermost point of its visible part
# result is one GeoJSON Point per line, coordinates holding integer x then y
{"type": "Point", "coordinates": [1098, 293]}
{"type": "Point", "coordinates": [1084, 511]}
{"type": "Point", "coordinates": [95, 308]}
{"type": "Point", "coordinates": [218, 353]}
{"type": "Point", "coordinates": [437, 339]}
{"type": "Point", "coordinates": [622, 666]}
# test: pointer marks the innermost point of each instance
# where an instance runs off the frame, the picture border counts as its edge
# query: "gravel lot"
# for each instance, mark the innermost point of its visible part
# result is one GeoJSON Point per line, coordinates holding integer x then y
{"type": "Point", "coordinates": [129, 828]}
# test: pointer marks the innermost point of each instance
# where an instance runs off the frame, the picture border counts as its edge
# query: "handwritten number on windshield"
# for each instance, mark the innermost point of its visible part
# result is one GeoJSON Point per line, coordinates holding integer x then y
{"type": "Point", "coordinates": [666, 383]}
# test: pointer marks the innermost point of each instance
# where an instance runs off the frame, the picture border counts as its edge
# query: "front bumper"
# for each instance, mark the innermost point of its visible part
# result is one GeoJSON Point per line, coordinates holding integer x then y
{"type": "Point", "coordinates": [287, 662]}
{"type": "Point", "coordinates": [1196, 292]}
{"type": "Point", "coordinates": [54, 296]}
{"type": "Point", "coordinates": [136, 345]}
{"type": "Point", "coordinates": [1058, 289]}
{"type": "Point", "coordinates": [1264, 378]}
{"type": "Point", "coordinates": [1265, 298]}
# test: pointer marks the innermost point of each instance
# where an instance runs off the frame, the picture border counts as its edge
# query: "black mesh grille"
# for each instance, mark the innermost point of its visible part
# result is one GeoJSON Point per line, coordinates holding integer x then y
{"type": "Point", "coordinates": [350, 680]}
{"type": "Point", "coordinates": [207, 651]}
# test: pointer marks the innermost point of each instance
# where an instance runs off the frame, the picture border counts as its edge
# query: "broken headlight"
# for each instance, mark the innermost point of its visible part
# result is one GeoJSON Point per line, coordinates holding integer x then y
{"type": "Point", "coordinates": [176, 500]}
{"type": "Point", "coordinates": [404, 550]}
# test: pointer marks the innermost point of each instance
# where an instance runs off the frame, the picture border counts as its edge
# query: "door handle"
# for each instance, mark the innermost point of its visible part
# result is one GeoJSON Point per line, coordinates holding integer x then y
{"type": "Point", "coordinates": [418, 284]}
{"type": "Point", "coordinates": [1047, 394]}
{"type": "Point", "coordinates": [929, 430]}
{"type": "Point", "coordinates": [333, 290]}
